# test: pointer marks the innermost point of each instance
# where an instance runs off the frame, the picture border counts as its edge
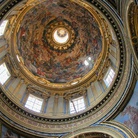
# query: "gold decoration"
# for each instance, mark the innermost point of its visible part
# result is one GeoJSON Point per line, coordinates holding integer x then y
{"type": "Point", "coordinates": [61, 29]}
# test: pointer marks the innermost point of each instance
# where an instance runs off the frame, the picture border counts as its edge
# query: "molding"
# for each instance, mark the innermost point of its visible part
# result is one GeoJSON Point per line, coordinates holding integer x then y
{"type": "Point", "coordinates": [112, 128]}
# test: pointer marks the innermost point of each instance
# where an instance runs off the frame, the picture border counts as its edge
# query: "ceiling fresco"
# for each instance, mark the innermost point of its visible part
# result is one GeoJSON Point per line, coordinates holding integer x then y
{"type": "Point", "coordinates": [64, 64]}
{"type": "Point", "coordinates": [60, 41]}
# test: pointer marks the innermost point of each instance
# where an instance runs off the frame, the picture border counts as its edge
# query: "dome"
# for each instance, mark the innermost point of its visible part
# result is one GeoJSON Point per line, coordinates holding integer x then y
{"type": "Point", "coordinates": [56, 44]}
{"type": "Point", "coordinates": [39, 39]}
{"type": "Point", "coordinates": [64, 67]}
{"type": "Point", "coordinates": [57, 54]}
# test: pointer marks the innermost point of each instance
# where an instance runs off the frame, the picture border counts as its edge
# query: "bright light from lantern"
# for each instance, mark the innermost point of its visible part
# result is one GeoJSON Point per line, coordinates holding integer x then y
{"type": "Point", "coordinates": [61, 35]}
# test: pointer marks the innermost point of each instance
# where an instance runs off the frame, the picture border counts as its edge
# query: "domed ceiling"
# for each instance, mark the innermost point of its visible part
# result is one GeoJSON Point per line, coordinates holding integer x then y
{"type": "Point", "coordinates": [56, 44]}
{"type": "Point", "coordinates": [60, 42]}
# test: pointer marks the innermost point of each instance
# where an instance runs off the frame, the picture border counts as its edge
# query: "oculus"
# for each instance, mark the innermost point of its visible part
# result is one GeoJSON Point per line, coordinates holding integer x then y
{"type": "Point", "coordinates": [61, 35]}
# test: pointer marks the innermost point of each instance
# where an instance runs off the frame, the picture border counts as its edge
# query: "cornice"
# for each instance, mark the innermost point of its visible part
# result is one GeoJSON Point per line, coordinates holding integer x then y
{"type": "Point", "coordinates": [8, 6]}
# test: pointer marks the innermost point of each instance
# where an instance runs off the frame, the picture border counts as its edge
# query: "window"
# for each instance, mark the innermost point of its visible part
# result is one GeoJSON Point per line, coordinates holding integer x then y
{"type": "Point", "coordinates": [3, 27]}
{"type": "Point", "coordinates": [34, 103]}
{"type": "Point", "coordinates": [4, 73]}
{"type": "Point", "coordinates": [77, 105]}
{"type": "Point", "coordinates": [109, 77]}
